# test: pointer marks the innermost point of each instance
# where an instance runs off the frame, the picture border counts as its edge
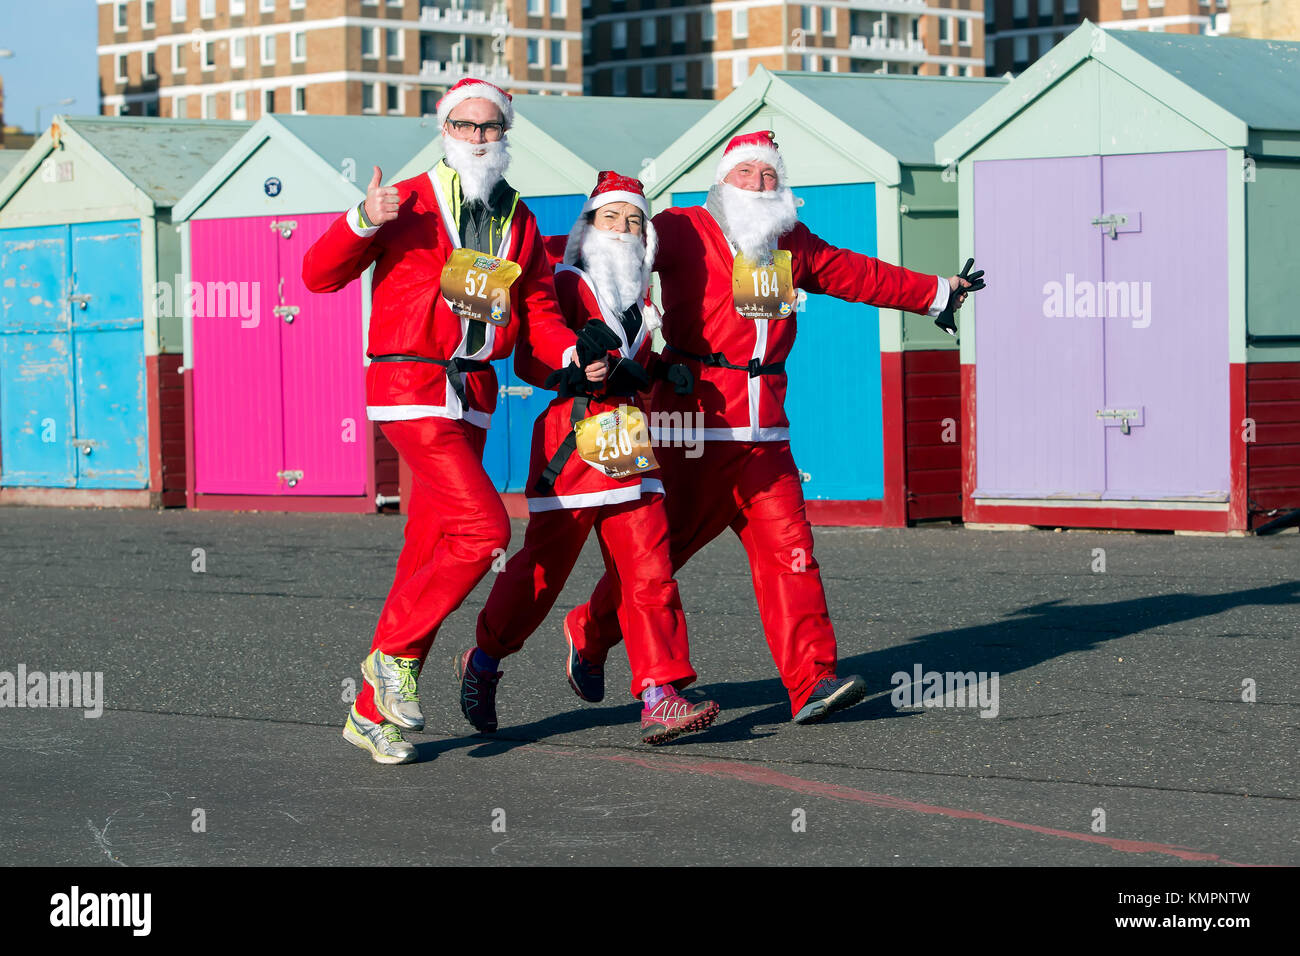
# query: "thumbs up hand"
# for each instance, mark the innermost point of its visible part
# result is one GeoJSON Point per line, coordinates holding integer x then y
{"type": "Point", "coordinates": [381, 201]}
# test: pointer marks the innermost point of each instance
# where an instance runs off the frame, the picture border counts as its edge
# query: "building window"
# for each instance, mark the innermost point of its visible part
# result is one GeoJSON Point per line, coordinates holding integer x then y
{"type": "Point", "coordinates": [150, 65]}
{"type": "Point", "coordinates": [268, 48]}
{"type": "Point", "coordinates": [679, 28]}
{"type": "Point", "coordinates": [299, 49]}
{"type": "Point", "coordinates": [1044, 43]}
{"type": "Point", "coordinates": [739, 70]}
{"type": "Point", "coordinates": [370, 43]}
{"type": "Point", "coordinates": [237, 9]}
{"type": "Point", "coordinates": [679, 77]}
{"type": "Point", "coordinates": [945, 30]}
{"type": "Point", "coordinates": [178, 11]}
{"type": "Point", "coordinates": [828, 20]}
{"type": "Point", "coordinates": [806, 19]}
{"type": "Point", "coordinates": [368, 97]}
{"type": "Point", "coordinates": [963, 31]}
{"type": "Point", "coordinates": [587, 88]}
{"type": "Point", "coordinates": [618, 35]}
{"type": "Point", "coordinates": [267, 6]}
{"type": "Point", "coordinates": [1020, 11]}
{"type": "Point", "coordinates": [178, 107]}
{"type": "Point", "coordinates": [1128, 4]}
{"type": "Point", "coordinates": [209, 55]}
{"type": "Point", "coordinates": [647, 79]}
{"type": "Point", "coordinates": [557, 54]}
{"type": "Point", "coordinates": [121, 68]}
{"type": "Point", "coordinates": [268, 102]}
{"type": "Point", "coordinates": [239, 105]}
{"type": "Point", "coordinates": [708, 75]}
{"type": "Point", "coordinates": [988, 53]}
{"type": "Point", "coordinates": [740, 23]}
{"type": "Point", "coordinates": [207, 9]}
{"type": "Point", "coordinates": [119, 17]}
{"type": "Point", "coordinates": [178, 59]}
{"type": "Point", "coordinates": [1072, 7]}
{"type": "Point", "coordinates": [708, 25]}
{"type": "Point", "coordinates": [620, 82]}
{"type": "Point", "coordinates": [534, 8]}
{"type": "Point", "coordinates": [1045, 11]}
{"type": "Point", "coordinates": [209, 106]}
{"type": "Point", "coordinates": [394, 103]}
{"type": "Point", "coordinates": [1154, 4]}
{"type": "Point", "coordinates": [299, 98]}
{"type": "Point", "coordinates": [557, 8]}
{"type": "Point", "coordinates": [238, 51]}
{"type": "Point", "coordinates": [393, 46]}
{"type": "Point", "coordinates": [649, 31]}
{"type": "Point", "coordinates": [146, 13]}
{"type": "Point", "coordinates": [586, 41]}
{"type": "Point", "coordinates": [989, 15]}
{"type": "Point", "coordinates": [1020, 51]}
{"type": "Point", "coordinates": [297, 5]}
{"type": "Point", "coordinates": [534, 53]}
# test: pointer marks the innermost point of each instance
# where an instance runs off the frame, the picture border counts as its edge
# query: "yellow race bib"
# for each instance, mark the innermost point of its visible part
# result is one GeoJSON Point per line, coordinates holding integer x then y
{"type": "Point", "coordinates": [617, 442]}
{"type": "Point", "coordinates": [764, 289]}
{"type": "Point", "coordinates": [477, 286]}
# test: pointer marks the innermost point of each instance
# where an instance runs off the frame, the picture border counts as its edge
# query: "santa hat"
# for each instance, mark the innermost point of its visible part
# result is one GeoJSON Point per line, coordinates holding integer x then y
{"type": "Point", "coordinates": [471, 88]}
{"type": "Point", "coordinates": [757, 147]}
{"type": "Point", "coordinates": [611, 187]}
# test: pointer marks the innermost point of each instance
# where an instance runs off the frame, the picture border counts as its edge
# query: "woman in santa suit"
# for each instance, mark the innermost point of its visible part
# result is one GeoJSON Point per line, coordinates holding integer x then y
{"type": "Point", "coordinates": [593, 467]}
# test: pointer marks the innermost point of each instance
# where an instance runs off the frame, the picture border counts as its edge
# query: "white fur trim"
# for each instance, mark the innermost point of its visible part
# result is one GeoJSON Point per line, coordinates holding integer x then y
{"type": "Point", "coordinates": [573, 247]}
{"type": "Point", "coordinates": [615, 195]}
{"type": "Point", "coordinates": [751, 154]}
{"type": "Point", "coordinates": [476, 91]}
{"type": "Point", "coordinates": [651, 250]}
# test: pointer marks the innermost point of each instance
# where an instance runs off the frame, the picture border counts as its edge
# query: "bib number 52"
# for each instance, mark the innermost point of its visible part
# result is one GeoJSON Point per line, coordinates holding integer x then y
{"type": "Point", "coordinates": [476, 283]}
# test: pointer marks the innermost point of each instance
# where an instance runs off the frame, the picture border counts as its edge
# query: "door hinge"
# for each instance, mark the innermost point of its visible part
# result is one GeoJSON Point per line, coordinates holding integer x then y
{"type": "Point", "coordinates": [289, 477]}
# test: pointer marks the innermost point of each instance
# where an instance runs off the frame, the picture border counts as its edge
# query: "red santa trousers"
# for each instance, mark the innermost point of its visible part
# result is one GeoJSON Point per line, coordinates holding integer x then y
{"type": "Point", "coordinates": [455, 526]}
{"type": "Point", "coordinates": [753, 488]}
{"type": "Point", "coordinates": [647, 608]}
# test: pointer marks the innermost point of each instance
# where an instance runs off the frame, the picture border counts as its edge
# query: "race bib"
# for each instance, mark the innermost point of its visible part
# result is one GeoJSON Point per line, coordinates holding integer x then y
{"type": "Point", "coordinates": [764, 290]}
{"type": "Point", "coordinates": [616, 442]}
{"type": "Point", "coordinates": [477, 286]}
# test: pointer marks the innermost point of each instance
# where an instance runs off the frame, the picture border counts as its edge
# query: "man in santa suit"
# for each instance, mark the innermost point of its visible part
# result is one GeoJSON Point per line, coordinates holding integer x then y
{"type": "Point", "coordinates": [592, 467]}
{"type": "Point", "coordinates": [460, 270]}
{"type": "Point", "coordinates": [729, 272]}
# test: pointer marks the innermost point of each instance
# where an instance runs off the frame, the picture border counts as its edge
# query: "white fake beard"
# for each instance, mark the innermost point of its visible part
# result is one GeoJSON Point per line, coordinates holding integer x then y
{"type": "Point", "coordinates": [480, 165]}
{"type": "Point", "coordinates": [615, 261]}
{"type": "Point", "coordinates": [754, 221]}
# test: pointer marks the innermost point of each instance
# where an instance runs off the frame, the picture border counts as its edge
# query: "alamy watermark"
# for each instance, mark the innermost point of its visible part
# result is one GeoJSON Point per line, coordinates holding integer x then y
{"type": "Point", "coordinates": [209, 300]}
{"type": "Point", "coordinates": [1085, 299]}
{"type": "Point", "coordinates": [56, 689]}
{"type": "Point", "coordinates": [923, 688]}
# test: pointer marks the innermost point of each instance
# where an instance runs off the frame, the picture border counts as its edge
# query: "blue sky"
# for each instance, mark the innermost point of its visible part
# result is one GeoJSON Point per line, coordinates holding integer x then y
{"type": "Point", "coordinates": [53, 42]}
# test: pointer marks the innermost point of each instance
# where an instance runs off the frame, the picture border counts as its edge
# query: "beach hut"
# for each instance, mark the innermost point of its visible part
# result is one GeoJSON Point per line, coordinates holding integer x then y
{"type": "Point", "coordinates": [1133, 364]}
{"type": "Point", "coordinates": [557, 146]}
{"type": "Point", "coordinates": [274, 380]}
{"type": "Point", "coordinates": [859, 150]}
{"type": "Point", "coordinates": [90, 393]}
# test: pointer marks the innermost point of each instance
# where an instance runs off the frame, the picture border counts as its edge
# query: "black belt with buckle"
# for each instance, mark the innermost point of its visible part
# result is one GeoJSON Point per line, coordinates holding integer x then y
{"type": "Point", "coordinates": [454, 368]}
{"type": "Point", "coordinates": [718, 360]}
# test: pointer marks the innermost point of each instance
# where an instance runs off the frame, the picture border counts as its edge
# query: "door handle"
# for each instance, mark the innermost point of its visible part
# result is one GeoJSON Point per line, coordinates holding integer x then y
{"type": "Point", "coordinates": [286, 312]}
{"type": "Point", "coordinates": [81, 299]}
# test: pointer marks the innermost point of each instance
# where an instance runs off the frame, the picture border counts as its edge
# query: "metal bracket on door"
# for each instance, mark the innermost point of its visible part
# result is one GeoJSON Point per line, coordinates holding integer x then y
{"type": "Point", "coordinates": [286, 312]}
{"type": "Point", "coordinates": [81, 299]}
{"type": "Point", "coordinates": [85, 444]}
{"type": "Point", "coordinates": [519, 391]}
{"type": "Point", "coordinates": [290, 477]}
{"type": "Point", "coordinates": [1112, 223]}
{"type": "Point", "coordinates": [284, 226]}
{"type": "Point", "coordinates": [1126, 417]}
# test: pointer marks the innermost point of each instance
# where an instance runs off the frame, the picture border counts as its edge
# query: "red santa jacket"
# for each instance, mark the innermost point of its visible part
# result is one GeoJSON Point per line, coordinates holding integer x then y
{"type": "Point", "coordinates": [581, 484]}
{"type": "Point", "coordinates": [695, 263]}
{"type": "Point", "coordinates": [408, 314]}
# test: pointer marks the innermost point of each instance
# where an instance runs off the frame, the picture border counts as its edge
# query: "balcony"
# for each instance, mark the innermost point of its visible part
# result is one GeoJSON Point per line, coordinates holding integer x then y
{"type": "Point", "coordinates": [890, 6]}
{"type": "Point", "coordinates": [460, 21]}
{"type": "Point", "coordinates": [887, 48]}
{"type": "Point", "coordinates": [451, 71]}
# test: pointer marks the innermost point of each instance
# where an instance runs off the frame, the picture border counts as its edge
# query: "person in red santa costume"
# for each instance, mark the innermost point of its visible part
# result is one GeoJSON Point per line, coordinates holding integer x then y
{"type": "Point", "coordinates": [460, 271]}
{"type": "Point", "coordinates": [593, 467]}
{"type": "Point", "coordinates": [729, 272]}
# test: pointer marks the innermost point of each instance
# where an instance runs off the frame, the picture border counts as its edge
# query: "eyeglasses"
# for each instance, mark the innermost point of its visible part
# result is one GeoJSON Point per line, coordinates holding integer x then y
{"type": "Point", "coordinates": [490, 131]}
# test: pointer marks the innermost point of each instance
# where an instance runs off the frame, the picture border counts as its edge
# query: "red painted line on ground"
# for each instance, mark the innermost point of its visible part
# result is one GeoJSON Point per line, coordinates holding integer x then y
{"type": "Point", "coordinates": [762, 776]}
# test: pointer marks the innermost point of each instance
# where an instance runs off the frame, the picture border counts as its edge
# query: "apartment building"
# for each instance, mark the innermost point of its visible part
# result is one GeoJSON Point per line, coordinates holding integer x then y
{"type": "Point", "coordinates": [1266, 19]}
{"type": "Point", "coordinates": [685, 48]}
{"type": "Point", "coordinates": [242, 59]}
{"type": "Point", "coordinates": [1018, 32]}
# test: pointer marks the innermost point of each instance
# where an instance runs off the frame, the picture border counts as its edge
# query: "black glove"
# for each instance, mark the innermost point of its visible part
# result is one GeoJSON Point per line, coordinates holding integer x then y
{"type": "Point", "coordinates": [595, 340]}
{"type": "Point", "coordinates": [569, 381]}
{"type": "Point", "coordinates": [945, 318]}
{"type": "Point", "coordinates": [680, 377]}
